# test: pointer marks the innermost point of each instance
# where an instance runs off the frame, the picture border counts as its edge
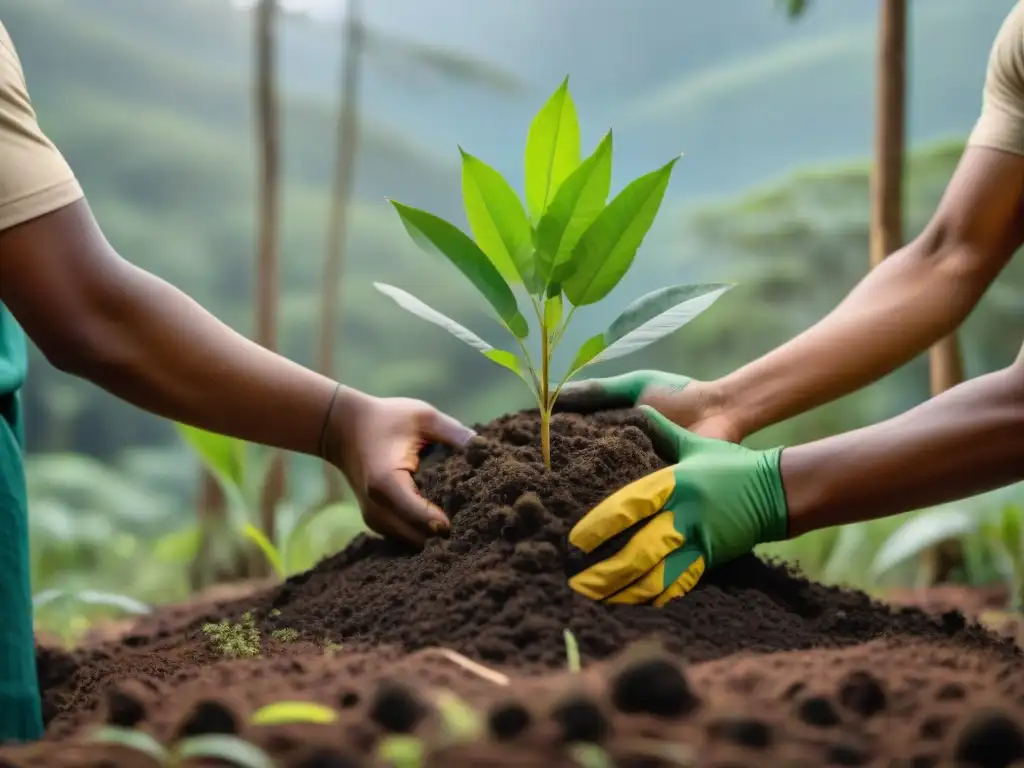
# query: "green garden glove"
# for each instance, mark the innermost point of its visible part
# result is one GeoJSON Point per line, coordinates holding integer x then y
{"type": "Point", "coordinates": [614, 392]}
{"type": "Point", "coordinates": [718, 502]}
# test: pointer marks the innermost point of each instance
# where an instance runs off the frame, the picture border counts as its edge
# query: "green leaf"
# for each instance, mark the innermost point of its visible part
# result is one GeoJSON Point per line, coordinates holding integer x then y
{"type": "Point", "coordinates": [552, 149]}
{"type": "Point", "coordinates": [129, 738]}
{"type": "Point", "coordinates": [552, 312]}
{"type": "Point", "coordinates": [223, 456]}
{"type": "Point", "coordinates": [920, 533]}
{"type": "Point", "coordinates": [410, 303]}
{"type": "Point", "coordinates": [434, 234]}
{"type": "Point", "coordinates": [224, 748]}
{"type": "Point", "coordinates": [577, 203]}
{"type": "Point", "coordinates": [266, 546]}
{"type": "Point", "coordinates": [497, 219]}
{"type": "Point", "coordinates": [92, 597]}
{"type": "Point", "coordinates": [590, 349]}
{"type": "Point", "coordinates": [572, 651]}
{"type": "Point", "coordinates": [606, 250]}
{"type": "Point", "coordinates": [654, 316]}
{"type": "Point", "coordinates": [282, 712]}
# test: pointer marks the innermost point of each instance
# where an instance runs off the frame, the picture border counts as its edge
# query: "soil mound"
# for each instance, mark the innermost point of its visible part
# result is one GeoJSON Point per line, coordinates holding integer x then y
{"type": "Point", "coordinates": [782, 671]}
{"type": "Point", "coordinates": [497, 589]}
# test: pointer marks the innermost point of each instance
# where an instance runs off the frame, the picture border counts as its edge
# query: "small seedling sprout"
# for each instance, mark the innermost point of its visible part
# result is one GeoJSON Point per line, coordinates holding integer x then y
{"type": "Point", "coordinates": [285, 634]}
{"type": "Point", "coordinates": [284, 712]}
{"type": "Point", "coordinates": [460, 723]}
{"type": "Point", "coordinates": [220, 748]}
{"type": "Point", "coordinates": [401, 751]}
{"type": "Point", "coordinates": [572, 651]}
{"type": "Point", "coordinates": [566, 245]}
{"type": "Point", "coordinates": [588, 755]}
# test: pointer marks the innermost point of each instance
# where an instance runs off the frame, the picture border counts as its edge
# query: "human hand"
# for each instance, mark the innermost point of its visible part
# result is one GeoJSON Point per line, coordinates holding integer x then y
{"type": "Point", "coordinates": [376, 443]}
{"type": "Point", "coordinates": [658, 534]}
{"type": "Point", "coordinates": [695, 405]}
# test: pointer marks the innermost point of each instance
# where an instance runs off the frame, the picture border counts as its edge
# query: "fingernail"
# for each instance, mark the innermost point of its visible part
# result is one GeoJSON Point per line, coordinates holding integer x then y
{"type": "Point", "coordinates": [437, 527]}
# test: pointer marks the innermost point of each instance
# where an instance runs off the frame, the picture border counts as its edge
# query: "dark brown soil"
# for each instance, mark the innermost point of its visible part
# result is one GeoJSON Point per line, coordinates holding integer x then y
{"type": "Point", "coordinates": [779, 667]}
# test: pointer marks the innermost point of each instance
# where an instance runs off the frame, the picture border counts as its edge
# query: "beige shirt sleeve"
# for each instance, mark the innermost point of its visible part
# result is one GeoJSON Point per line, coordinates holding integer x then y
{"type": "Point", "coordinates": [34, 177]}
{"type": "Point", "coordinates": [1001, 124]}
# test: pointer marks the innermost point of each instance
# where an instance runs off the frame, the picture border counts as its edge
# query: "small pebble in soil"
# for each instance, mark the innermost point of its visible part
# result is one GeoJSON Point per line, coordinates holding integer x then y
{"type": "Point", "coordinates": [208, 716]}
{"type": "Point", "coordinates": [124, 708]}
{"type": "Point", "coordinates": [396, 708]}
{"type": "Point", "coordinates": [862, 693]}
{"type": "Point", "coordinates": [746, 731]}
{"type": "Point", "coordinates": [653, 686]}
{"type": "Point", "coordinates": [580, 720]}
{"type": "Point", "coordinates": [818, 711]}
{"type": "Point", "coordinates": [507, 721]}
{"type": "Point", "coordinates": [326, 758]}
{"type": "Point", "coordinates": [846, 754]}
{"type": "Point", "coordinates": [990, 740]}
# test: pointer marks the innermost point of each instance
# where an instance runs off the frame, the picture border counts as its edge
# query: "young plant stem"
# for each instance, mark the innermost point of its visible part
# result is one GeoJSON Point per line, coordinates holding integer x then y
{"type": "Point", "coordinates": [545, 396]}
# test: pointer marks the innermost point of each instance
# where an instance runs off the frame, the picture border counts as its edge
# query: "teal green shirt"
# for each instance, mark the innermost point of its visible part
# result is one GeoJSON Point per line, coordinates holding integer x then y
{"type": "Point", "coordinates": [13, 354]}
{"type": "Point", "coordinates": [13, 367]}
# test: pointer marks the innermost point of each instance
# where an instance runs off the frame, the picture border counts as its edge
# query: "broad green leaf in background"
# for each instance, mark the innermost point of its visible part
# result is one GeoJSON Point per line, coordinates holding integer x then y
{"type": "Point", "coordinates": [129, 738]}
{"type": "Point", "coordinates": [649, 319]}
{"type": "Point", "coordinates": [576, 204]}
{"type": "Point", "coordinates": [91, 597]}
{"type": "Point", "coordinates": [411, 304]}
{"type": "Point", "coordinates": [224, 456]}
{"type": "Point", "coordinates": [922, 532]}
{"type": "Point", "coordinates": [281, 712]}
{"type": "Point", "coordinates": [435, 234]}
{"type": "Point", "coordinates": [266, 546]}
{"type": "Point", "coordinates": [497, 220]}
{"type": "Point", "coordinates": [847, 553]}
{"type": "Point", "coordinates": [606, 250]}
{"type": "Point", "coordinates": [221, 747]}
{"type": "Point", "coordinates": [552, 149]}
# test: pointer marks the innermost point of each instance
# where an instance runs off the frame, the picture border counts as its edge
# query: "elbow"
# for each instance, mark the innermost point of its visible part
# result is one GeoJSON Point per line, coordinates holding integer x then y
{"type": "Point", "coordinates": [90, 342]}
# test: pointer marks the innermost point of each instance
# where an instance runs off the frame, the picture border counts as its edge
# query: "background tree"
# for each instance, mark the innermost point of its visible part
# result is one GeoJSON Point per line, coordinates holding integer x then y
{"type": "Point", "coordinates": [946, 366]}
{"type": "Point", "coordinates": [356, 41]}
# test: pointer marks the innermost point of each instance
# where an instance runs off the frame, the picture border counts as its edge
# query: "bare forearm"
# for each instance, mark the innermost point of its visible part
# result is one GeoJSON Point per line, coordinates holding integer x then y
{"type": "Point", "coordinates": [965, 441]}
{"type": "Point", "coordinates": [913, 299]}
{"type": "Point", "coordinates": [150, 344]}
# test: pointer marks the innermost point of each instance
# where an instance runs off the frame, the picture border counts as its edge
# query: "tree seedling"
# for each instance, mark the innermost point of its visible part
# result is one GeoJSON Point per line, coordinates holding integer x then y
{"type": "Point", "coordinates": [236, 641]}
{"type": "Point", "coordinates": [221, 748]}
{"type": "Point", "coordinates": [567, 245]}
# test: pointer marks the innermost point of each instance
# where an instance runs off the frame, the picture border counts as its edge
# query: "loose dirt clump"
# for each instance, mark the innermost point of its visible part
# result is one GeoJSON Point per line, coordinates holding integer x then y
{"type": "Point", "coordinates": [756, 666]}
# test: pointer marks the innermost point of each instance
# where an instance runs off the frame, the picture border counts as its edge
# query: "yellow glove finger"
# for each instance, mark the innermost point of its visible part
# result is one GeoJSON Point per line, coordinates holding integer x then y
{"type": "Point", "coordinates": [624, 508]}
{"type": "Point", "coordinates": [681, 567]}
{"type": "Point", "coordinates": [646, 549]}
{"type": "Point", "coordinates": [686, 581]}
